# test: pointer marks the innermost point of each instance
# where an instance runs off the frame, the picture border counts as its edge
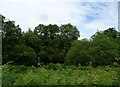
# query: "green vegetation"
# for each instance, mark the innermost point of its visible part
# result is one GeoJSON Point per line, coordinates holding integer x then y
{"type": "Point", "coordinates": [59, 74]}
{"type": "Point", "coordinates": [58, 44]}
{"type": "Point", "coordinates": [53, 55]}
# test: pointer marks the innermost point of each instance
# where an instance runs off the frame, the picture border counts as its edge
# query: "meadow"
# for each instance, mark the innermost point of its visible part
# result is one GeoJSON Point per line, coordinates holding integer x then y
{"type": "Point", "coordinates": [60, 74]}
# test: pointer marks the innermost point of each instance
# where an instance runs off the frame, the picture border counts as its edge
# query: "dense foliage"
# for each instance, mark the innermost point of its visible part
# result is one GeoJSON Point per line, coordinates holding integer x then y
{"type": "Point", "coordinates": [101, 49]}
{"type": "Point", "coordinates": [61, 75]}
{"type": "Point", "coordinates": [79, 53]}
{"type": "Point", "coordinates": [45, 44]}
{"type": "Point", "coordinates": [58, 44]}
{"type": "Point", "coordinates": [52, 55]}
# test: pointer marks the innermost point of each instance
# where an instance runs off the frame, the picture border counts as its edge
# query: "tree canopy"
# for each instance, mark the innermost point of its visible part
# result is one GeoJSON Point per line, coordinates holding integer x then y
{"type": "Point", "coordinates": [57, 44]}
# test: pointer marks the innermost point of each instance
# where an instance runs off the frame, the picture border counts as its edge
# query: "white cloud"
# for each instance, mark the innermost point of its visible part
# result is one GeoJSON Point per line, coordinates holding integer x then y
{"type": "Point", "coordinates": [107, 16]}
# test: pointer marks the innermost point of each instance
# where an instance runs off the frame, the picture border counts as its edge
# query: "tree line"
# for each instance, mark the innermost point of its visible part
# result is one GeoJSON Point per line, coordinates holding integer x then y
{"type": "Point", "coordinates": [57, 44]}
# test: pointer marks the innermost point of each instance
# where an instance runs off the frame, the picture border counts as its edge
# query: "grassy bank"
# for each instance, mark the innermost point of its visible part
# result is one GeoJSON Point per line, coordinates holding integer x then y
{"type": "Point", "coordinates": [59, 75]}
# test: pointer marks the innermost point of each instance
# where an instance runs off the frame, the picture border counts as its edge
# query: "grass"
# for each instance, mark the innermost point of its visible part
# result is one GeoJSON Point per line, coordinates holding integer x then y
{"type": "Point", "coordinates": [57, 75]}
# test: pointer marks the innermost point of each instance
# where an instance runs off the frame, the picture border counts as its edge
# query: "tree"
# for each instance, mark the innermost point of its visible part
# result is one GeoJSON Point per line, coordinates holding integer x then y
{"type": "Point", "coordinates": [25, 56]}
{"type": "Point", "coordinates": [103, 50]}
{"type": "Point", "coordinates": [48, 39]}
{"type": "Point", "coordinates": [1, 38]}
{"type": "Point", "coordinates": [118, 44]}
{"type": "Point", "coordinates": [31, 39]}
{"type": "Point", "coordinates": [55, 41]}
{"type": "Point", "coordinates": [11, 35]}
{"type": "Point", "coordinates": [111, 33]}
{"type": "Point", "coordinates": [79, 53]}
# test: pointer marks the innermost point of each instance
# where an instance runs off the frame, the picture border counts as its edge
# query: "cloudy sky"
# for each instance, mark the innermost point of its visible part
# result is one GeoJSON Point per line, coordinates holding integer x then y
{"type": "Point", "coordinates": [88, 15]}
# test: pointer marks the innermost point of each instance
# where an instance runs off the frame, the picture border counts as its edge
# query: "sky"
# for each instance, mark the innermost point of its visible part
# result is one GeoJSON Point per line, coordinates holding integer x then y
{"type": "Point", "coordinates": [88, 16]}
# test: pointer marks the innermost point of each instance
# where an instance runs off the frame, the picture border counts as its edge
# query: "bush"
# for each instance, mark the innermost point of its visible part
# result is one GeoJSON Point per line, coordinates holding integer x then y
{"type": "Point", "coordinates": [15, 75]}
{"type": "Point", "coordinates": [54, 66]}
{"type": "Point", "coordinates": [25, 56]}
{"type": "Point", "coordinates": [79, 53]}
{"type": "Point", "coordinates": [103, 50]}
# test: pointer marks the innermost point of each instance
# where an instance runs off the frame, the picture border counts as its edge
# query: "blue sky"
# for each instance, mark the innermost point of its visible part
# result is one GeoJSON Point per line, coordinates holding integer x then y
{"type": "Point", "coordinates": [88, 15]}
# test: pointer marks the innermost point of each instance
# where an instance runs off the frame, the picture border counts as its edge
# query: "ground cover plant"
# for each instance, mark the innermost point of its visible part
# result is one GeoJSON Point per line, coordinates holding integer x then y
{"type": "Point", "coordinates": [60, 75]}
